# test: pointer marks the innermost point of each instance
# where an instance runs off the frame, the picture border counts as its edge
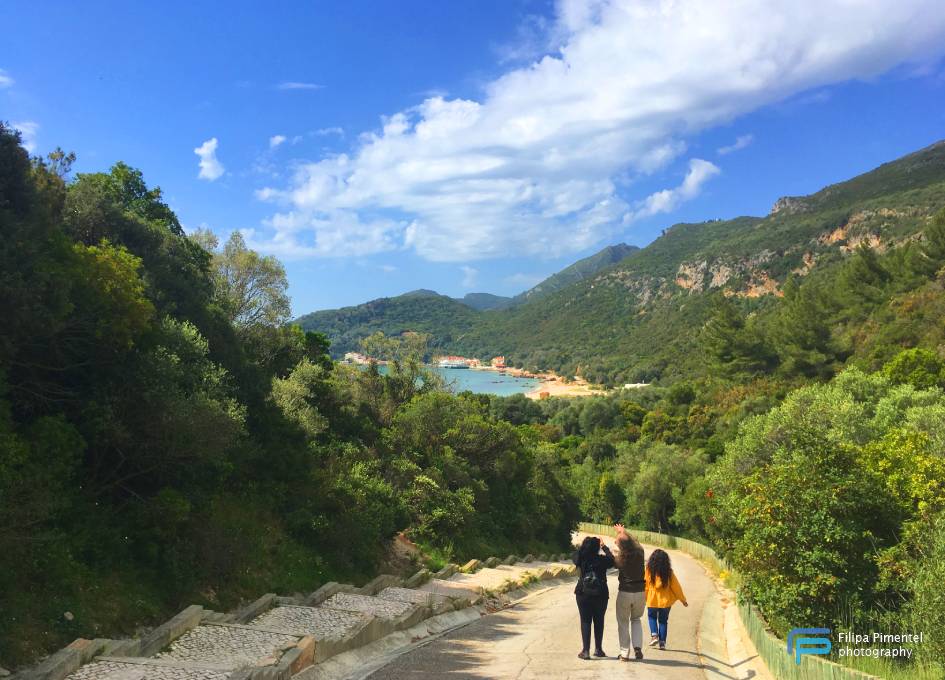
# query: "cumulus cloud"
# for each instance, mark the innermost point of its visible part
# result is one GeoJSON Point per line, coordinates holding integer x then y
{"type": "Point", "coordinates": [5, 79]}
{"type": "Point", "coordinates": [543, 162]}
{"type": "Point", "coordinates": [296, 85]}
{"type": "Point", "coordinates": [210, 167]}
{"type": "Point", "coordinates": [667, 200]}
{"type": "Point", "coordinates": [28, 131]}
{"type": "Point", "coordinates": [740, 143]}
{"type": "Point", "coordinates": [276, 140]}
{"type": "Point", "coordinates": [470, 276]}
{"type": "Point", "coordinates": [340, 233]}
{"type": "Point", "coordinates": [328, 131]}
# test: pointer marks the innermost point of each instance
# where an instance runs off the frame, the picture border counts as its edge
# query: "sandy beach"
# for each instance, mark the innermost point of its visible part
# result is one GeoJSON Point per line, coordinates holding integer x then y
{"type": "Point", "coordinates": [551, 383]}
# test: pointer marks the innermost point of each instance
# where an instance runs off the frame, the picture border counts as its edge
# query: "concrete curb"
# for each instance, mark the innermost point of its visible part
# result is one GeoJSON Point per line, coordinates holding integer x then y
{"type": "Point", "coordinates": [377, 584]}
{"type": "Point", "coordinates": [67, 660]}
{"type": "Point", "coordinates": [255, 608]}
{"type": "Point", "coordinates": [471, 566]}
{"type": "Point", "coordinates": [326, 591]}
{"type": "Point", "coordinates": [418, 579]}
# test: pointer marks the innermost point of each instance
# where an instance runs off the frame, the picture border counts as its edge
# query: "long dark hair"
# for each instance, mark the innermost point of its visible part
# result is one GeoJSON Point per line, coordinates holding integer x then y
{"type": "Point", "coordinates": [628, 546]}
{"type": "Point", "coordinates": [590, 546]}
{"type": "Point", "coordinates": [660, 567]}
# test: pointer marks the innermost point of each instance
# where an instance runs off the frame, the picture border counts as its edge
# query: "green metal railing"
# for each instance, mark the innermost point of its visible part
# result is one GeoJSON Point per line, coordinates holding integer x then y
{"type": "Point", "coordinates": [770, 648]}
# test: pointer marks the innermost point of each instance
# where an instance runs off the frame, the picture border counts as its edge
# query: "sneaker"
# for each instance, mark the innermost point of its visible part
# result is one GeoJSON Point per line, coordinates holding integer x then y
{"type": "Point", "coordinates": [637, 653]}
{"type": "Point", "coordinates": [600, 654]}
{"type": "Point", "coordinates": [621, 657]}
{"type": "Point", "coordinates": [654, 640]}
{"type": "Point", "coordinates": [584, 655]}
{"type": "Point", "coordinates": [663, 646]}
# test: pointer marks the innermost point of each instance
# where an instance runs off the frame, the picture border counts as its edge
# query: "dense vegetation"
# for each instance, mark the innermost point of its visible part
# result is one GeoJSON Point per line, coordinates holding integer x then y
{"type": "Point", "coordinates": [580, 270]}
{"type": "Point", "coordinates": [808, 450]}
{"type": "Point", "coordinates": [420, 311]}
{"type": "Point", "coordinates": [167, 438]}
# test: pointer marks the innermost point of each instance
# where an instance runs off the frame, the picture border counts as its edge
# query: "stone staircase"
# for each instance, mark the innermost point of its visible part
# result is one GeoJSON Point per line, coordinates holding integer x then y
{"type": "Point", "coordinates": [276, 637]}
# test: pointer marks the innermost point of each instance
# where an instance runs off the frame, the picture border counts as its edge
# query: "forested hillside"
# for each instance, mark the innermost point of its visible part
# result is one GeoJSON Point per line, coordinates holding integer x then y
{"type": "Point", "coordinates": [421, 311]}
{"type": "Point", "coordinates": [807, 449]}
{"type": "Point", "coordinates": [638, 319]}
{"type": "Point", "coordinates": [166, 437]}
{"type": "Point", "coordinates": [444, 319]}
{"type": "Point", "coordinates": [578, 271]}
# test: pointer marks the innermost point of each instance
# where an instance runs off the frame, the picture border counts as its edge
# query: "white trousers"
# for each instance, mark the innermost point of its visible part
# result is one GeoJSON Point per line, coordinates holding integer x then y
{"type": "Point", "coordinates": [630, 608]}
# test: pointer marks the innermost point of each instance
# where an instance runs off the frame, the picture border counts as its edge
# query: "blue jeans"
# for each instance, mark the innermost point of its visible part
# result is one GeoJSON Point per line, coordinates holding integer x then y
{"type": "Point", "coordinates": [659, 621]}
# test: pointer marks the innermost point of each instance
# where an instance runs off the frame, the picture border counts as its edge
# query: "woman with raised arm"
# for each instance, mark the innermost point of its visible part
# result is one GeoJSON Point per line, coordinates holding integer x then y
{"type": "Point", "coordinates": [662, 592]}
{"type": "Point", "coordinates": [631, 598]}
{"type": "Point", "coordinates": [593, 558]}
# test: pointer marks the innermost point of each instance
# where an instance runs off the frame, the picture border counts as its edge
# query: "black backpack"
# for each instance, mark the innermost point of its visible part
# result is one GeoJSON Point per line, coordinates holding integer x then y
{"type": "Point", "coordinates": [590, 582]}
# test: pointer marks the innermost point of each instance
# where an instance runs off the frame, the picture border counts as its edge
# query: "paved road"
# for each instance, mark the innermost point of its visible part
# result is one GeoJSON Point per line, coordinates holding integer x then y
{"type": "Point", "coordinates": [540, 638]}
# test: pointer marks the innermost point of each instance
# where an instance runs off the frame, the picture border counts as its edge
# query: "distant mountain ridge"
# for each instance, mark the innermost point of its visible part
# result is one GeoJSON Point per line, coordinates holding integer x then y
{"type": "Point", "coordinates": [630, 315]}
{"type": "Point", "coordinates": [445, 318]}
{"type": "Point", "coordinates": [578, 271]}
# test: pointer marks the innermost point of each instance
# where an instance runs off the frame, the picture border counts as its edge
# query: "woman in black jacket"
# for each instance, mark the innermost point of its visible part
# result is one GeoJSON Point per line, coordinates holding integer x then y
{"type": "Point", "coordinates": [591, 592]}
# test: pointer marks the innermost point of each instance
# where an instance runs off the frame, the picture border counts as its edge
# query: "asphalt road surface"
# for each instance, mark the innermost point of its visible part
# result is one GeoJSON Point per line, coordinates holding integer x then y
{"type": "Point", "coordinates": [540, 637]}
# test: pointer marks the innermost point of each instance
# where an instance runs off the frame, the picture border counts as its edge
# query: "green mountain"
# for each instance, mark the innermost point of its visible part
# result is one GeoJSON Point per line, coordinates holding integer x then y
{"type": "Point", "coordinates": [445, 318]}
{"type": "Point", "coordinates": [627, 314]}
{"type": "Point", "coordinates": [578, 271]}
{"type": "Point", "coordinates": [422, 311]}
{"type": "Point", "coordinates": [640, 319]}
{"type": "Point", "coordinates": [485, 301]}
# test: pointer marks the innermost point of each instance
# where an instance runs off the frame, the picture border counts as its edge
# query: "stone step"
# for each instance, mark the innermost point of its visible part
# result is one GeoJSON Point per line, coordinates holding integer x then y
{"type": "Point", "coordinates": [334, 630]}
{"type": "Point", "coordinates": [493, 579]}
{"type": "Point", "coordinates": [458, 587]}
{"type": "Point", "coordinates": [229, 645]}
{"type": "Point", "coordinates": [137, 668]}
{"type": "Point", "coordinates": [369, 604]}
{"type": "Point", "coordinates": [421, 598]}
{"type": "Point", "coordinates": [389, 615]}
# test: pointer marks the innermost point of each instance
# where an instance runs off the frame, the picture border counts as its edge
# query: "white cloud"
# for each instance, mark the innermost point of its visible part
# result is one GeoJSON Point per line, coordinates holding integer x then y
{"type": "Point", "coordinates": [5, 79]}
{"type": "Point", "coordinates": [276, 140]}
{"type": "Point", "coordinates": [740, 143]}
{"type": "Point", "coordinates": [210, 168]}
{"type": "Point", "coordinates": [543, 162]}
{"type": "Point", "coordinates": [295, 85]}
{"type": "Point", "coordinates": [341, 233]}
{"type": "Point", "coordinates": [328, 131]}
{"type": "Point", "coordinates": [470, 276]}
{"type": "Point", "coordinates": [28, 130]}
{"type": "Point", "coordinates": [668, 200]}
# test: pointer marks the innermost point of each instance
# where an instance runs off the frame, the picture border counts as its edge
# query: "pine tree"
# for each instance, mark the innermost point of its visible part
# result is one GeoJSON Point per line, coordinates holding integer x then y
{"type": "Point", "coordinates": [802, 335]}
{"type": "Point", "coordinates": [732, 345]}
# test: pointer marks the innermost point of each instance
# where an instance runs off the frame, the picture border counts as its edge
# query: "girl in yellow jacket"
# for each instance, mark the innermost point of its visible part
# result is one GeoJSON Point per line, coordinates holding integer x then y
{"type": "Point", "coordinates": [662, 591]}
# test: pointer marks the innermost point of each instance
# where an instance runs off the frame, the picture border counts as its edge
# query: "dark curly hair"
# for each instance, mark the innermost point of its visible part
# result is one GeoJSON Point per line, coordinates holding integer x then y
{"type": "Point", "coordinates": [590, 546]}
{"type": "Point", "coordinates": [660, 568]}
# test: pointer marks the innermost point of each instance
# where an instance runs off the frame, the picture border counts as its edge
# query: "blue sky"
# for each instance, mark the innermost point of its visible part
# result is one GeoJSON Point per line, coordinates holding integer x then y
{"type": "Point", "coordinates": [472, 146]}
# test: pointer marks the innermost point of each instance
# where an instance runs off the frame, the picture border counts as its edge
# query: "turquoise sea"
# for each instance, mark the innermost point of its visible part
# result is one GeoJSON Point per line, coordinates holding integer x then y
{"type": "Point", "coordinates": [484, 382]}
